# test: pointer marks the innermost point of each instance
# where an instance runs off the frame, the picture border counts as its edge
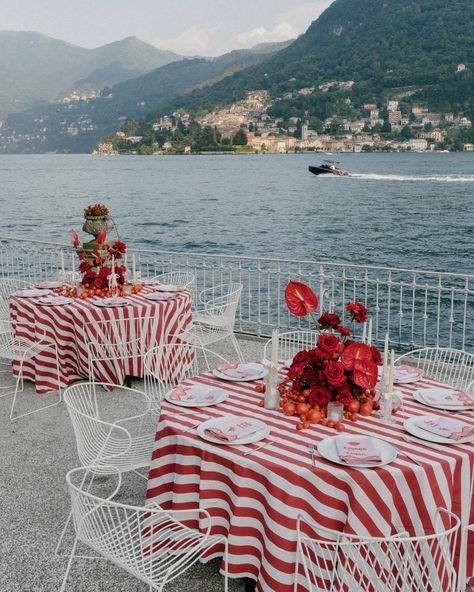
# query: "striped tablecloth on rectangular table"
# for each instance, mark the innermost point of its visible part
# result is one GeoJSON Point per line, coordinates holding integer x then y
{"type": "Point", "coordinates": [64, 327]}
{"type": "Point", "coordinates": [255, 500]}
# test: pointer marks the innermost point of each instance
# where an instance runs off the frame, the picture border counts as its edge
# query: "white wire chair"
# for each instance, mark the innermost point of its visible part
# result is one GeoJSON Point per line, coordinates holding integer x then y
{"type": "Point", "coordinates": [117, 345]}
{"type": "Point", "coordinates": [152, 544]}
{"type": "Point", "coordinates": [338, 562]}
{"type": "Point", "coordinates": [168, 365]}
{"type": "Point", "coordinates": [292, 342]}
{"type": "Point", "coordinates": [102, 439]}
{"type": "Point", "coordinates": [19, 350]}
{"type": "Point", "coordinates": [466, 574]}
{"type": "Point", "coordinates": [215, 320]}
{"type": "Point", "coordinates": [8, 286]}
{"type": "Point", "coordinates": [449, 366]}
{"type": "Point", "coordinates": [186, 279]}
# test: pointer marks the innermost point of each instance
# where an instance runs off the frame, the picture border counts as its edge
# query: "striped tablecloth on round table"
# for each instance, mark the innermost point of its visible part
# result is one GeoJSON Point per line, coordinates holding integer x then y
{"type": "Point", "coordinates": [64, 327]}
{"type": "Point", "coordinates": [255, 500]}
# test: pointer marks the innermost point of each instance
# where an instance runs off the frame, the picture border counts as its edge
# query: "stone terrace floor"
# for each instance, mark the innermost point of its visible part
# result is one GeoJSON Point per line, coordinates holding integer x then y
{"type": "Point", "coordinates": [36, 453]}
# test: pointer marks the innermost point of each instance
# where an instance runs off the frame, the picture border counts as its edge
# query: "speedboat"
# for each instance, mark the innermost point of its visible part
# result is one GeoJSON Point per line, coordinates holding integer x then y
{"type": "Point", "coordinates": [329, 167]}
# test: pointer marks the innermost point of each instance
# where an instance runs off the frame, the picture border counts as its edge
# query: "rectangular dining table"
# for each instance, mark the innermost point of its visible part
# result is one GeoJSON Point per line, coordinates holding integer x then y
{"type": "Point", "coordinates": [254, 500]}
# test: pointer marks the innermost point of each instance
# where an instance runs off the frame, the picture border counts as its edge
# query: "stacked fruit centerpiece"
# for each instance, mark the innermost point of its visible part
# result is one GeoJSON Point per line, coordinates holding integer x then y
{"type": "Point", "coordinates": [100, 259]}
{"type": "Point", "coordinates": [338, 369]}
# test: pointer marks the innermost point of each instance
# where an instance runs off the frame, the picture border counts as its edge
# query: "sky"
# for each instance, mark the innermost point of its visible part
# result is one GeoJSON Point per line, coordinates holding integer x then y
{"type": "Point", "coordinates": [188, 27]}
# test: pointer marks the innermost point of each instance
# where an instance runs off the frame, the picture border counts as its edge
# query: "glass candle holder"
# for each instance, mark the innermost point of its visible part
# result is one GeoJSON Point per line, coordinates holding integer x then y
{"type": "Point", "coordinates": [335, 411]}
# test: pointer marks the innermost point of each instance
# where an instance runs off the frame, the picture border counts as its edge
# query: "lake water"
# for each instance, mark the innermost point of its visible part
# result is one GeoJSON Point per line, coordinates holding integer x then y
{"type": "Point", "coordinates": [410, 210]}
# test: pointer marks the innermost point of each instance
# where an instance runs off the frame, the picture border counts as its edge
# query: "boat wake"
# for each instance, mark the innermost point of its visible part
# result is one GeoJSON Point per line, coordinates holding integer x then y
{"type": "Point", "coordinates": [430, 178]}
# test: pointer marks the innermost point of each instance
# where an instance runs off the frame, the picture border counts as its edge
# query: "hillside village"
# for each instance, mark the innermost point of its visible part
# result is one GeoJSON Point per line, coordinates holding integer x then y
{"type": "Point", "coordinates": [395, 125]}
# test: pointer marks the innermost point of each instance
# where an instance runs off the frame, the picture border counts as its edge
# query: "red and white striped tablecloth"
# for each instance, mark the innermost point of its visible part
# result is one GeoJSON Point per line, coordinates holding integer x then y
{"type": "Point", "coordinates": [255, 500]}
{"type": "Point", "coordinates": [64, 327]}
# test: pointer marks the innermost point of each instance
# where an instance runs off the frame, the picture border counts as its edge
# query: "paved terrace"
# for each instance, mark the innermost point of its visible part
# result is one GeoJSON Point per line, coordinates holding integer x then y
{"type": "Point", "coordinates": [36, 453]}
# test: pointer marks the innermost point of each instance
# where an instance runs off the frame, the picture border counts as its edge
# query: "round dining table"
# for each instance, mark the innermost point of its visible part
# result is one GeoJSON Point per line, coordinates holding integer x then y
{"type": "Point", "coordinates": [255, 494]}
{"type": "Point", "coordinates": [64, 326]}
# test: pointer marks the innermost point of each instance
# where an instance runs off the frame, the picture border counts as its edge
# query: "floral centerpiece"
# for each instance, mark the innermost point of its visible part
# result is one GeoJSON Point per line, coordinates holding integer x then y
{"type": "Point", "coordinates": [99, 258]}
{"type": "Point", "coordinates": [337, 369]}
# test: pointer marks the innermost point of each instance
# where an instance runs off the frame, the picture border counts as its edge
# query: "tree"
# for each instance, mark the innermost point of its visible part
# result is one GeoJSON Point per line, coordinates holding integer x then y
{"type": "Point", "coordinates": [240, 138]}
{"type": "Point", "coordinates": [407, 133]}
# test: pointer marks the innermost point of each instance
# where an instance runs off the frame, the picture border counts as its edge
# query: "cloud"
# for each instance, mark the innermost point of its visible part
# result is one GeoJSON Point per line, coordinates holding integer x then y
{"type": "Point", "coordinates": [280, 32]}
{"type": "Point", "coordinates": [189, 42]}
{"type": "Point", "coordinates": [300, 17]}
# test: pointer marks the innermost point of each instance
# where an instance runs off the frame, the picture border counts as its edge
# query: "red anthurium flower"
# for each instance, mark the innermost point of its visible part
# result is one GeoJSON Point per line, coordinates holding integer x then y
{"type": "Point", "coordinates": [97, 257]}
{"type": "Point", "coordinates": [101, 237]}
{"type": "Point", "coordinates": [75, 239]}
{"type": "Point", "coordinates": [365, 374]}
{"type": "Point", "coordinates": [356, 351]}
{"type": "Point", "coordinates": [300, 299]}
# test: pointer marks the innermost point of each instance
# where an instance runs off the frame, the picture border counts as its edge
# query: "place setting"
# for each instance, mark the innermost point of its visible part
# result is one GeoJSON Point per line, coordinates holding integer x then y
{"type": "Point", "coordinates": [112, 302]}
{"type": "Point", "coordinates": [49, 285]}
{"type": "Point", "coordinates": [196, 395]}
{"type": "Point", "coordinates": [32, 293]}
{"type": "Point", "coordinates": [357, 451]}
{"type": "Point", "coordinates": [444, 398]}
{"type": "Point", "coordinates": [54, 300]}
{"type": "Point", "coordinates": [160, 296]}
{"type": "Point", "coordinates": [440, 429]}
{"type": "Point", "coordinates": [240, 372]}
{"type": "Point", "coordinates": [403, 374]}
{"type": "Point", "coordinates": [233, 430]}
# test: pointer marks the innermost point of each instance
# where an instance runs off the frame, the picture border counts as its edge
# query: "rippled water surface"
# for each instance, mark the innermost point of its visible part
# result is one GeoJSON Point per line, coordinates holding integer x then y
{"type": "Point", "coordinates": [410, 210]}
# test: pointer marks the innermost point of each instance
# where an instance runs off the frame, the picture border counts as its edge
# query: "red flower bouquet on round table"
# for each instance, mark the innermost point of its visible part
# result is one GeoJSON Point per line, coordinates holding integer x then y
{"type": "Point", "coordinates": [337, 369]}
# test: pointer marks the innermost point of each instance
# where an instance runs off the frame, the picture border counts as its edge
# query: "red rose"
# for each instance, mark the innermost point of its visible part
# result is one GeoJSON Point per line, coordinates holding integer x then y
{"type": "Point", "coordinates": [334, 373]}
{"type": "Point", "coordinates": [320, 395]}
{"type": "Point", "coordinates": [376, 355]}
{"type": "Point", "coordinates": [85, 266]}
{"type": "Point", "coordinates": [98, 283]}
{"type": "Point", "coordinates": [328, 343]}
{"type": "Point", "coordinates": [343, 331]}
{"type": "Point", "coordinates": [120, 246]}
{"type": "Point", "coordinates": [104, 272]}
{"type": "Point", "coordinates": [358, 311]}
{"type": "Point", "coordinates": [328, 320]}
{"type": "Point", "coordinates": [344, 396]}
{"type": "Point", "coordinates": [82, 255]}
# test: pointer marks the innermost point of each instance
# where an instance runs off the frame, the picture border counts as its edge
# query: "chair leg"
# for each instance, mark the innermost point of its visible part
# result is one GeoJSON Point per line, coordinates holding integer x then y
{"type": "Point", "coordinates": [69, 564]}
{"type": "Point", "coordinates": [58, 546]}
{"type": "Point", "coordinates": [236, 345]}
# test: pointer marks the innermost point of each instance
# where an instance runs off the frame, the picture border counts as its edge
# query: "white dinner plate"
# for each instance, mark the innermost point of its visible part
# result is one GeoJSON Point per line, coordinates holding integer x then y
{"type": "Point", "coordinates": [259, 372]}
{"type": "Point", "coordinates": [54, 300]}
{"type": "Point", "coordinates": [31, 293]}
{"type": "Point", "coordinates": [159, 296]}
{"type": "Point", "coordinates": [218, 396]}
{"type": "Point", "coordinates": [411, 428]}
{"type": "Point", "coordinates": [168, 288]}
{"type": "Point", "coordinates": [328, 450]}
{"type": "Point", "coordinates": [47, 285]}
{"type": "Point", "coordinates": [216, 421]}
{"type": "Point", "coordinates": [106, 302]}
{"type": "Point", "coordinates": [406, 379]}
{"type": "Point", "coordinates": [419, 397]}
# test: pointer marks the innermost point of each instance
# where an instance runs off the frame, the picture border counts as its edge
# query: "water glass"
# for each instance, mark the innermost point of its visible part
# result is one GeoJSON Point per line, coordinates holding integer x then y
{"type": "Point", "coordinates": [335, 411]}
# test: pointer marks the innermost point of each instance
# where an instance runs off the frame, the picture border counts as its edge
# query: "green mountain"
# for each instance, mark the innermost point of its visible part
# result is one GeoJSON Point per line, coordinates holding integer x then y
{"type": "Point", "coordinates": [34, 67]}
{"type": "Point", "coordinates": [77, 126]}
{"type": "Point", "coordinates": [385, 47]}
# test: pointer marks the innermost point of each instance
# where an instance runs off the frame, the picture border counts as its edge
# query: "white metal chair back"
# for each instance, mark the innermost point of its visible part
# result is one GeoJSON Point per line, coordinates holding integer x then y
{"type": "Point", "coordinates": [152, 544]}
{"type": "Point", "coordinates": [186, 279]}
{"type": "Point", "coordinates": [292, 342]}
{"type": "Point", "coordinates": [119, 340]}
{"type": "Point", "coordinates": [338, 562]}
{"type": "Point", "coordinates": [8, 286]}
{"type": "Point", "coordinates": [100, 439]}
{"type": "Point", "coordinates": [448, 366]}
{"type": "Point", "coordinates": [220, 304]}
{"type": "Point", "coordinates": [168, 365]}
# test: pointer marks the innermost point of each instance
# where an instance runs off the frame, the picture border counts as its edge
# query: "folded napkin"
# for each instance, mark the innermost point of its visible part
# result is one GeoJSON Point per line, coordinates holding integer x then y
{"type": "Point", "coordinates": [31, 293]}
{"type": "Point", "coordinates": [238, 370]}
{"type": "Point", "coordinates": [447, 427]}
{"type": "Point", "coordinates": [445, 397]}
{"type": "Point", "coordinates": [358, 450]}
{"type": "Point", "coordinates": [235, 428]}
{"type": "Point", "coordinates": [196, 394]}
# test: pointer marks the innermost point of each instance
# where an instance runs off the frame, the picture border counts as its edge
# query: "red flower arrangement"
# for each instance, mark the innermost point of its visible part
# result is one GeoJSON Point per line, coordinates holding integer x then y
{"type": "Point", "coordinates": [338, 368]}
{"type": "Point", "coordinates": [96, 266]}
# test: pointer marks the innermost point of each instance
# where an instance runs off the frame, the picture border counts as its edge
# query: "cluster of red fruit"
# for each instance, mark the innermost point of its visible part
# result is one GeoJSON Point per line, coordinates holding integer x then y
{"type": "Point", "coordinates": [295, 403]}
{"type": "Point", "coordinates": [67, 291]}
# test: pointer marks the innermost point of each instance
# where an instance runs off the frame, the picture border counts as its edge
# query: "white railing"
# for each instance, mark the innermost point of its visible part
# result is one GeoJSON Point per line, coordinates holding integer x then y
{"type": "Point", "coordinates": [416, 307]}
